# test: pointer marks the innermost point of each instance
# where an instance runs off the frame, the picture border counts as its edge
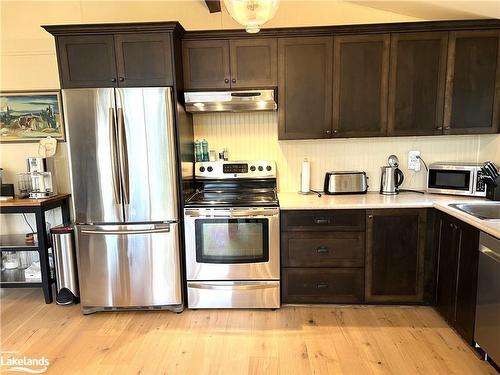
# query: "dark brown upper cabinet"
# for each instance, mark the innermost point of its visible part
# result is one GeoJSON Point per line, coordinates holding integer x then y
{"type": "Point", "coordinates": [87, 61]}
{"type": "Point", "coordinates": [360, 80]}
{"type": "Point", "coordinates": [417, 83]}
{"type": "Point", "coordinates": [206, 64]}
{"type": "Point", "coordinates": [120, 60]}
{"type": "Point", "coordinates": [395, 255]}
{"type": "Point", "coordinates": [222, 64]}
{"type": "Point", "coordinates": [144, 59]}
{"type": "Point", "coordinates": [254, 63]}
{"type": "Point", "coordinates": [473, 83]}
{"type": "Point", "coordinates": [305, 67]}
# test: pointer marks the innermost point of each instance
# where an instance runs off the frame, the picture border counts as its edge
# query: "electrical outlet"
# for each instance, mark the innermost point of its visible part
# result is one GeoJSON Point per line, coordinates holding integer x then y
{"type": "Point", "coordinates": [414, 160]}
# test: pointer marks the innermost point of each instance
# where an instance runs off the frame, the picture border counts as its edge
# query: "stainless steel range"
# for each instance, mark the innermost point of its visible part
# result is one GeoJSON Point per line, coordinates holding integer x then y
{"type": "Point", "coordinates": [232, 236]}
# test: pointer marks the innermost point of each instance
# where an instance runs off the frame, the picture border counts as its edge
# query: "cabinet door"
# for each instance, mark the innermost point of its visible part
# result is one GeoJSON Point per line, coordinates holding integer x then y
{"type": "Point", "coordinates": [468, 258]}
{"type": "Point", "coordinates": [86, 61]}
{"type": "Point", "coordinates": [416, 86]}
{"type": "Point", "coordinates": [144, 59]}
{"type": "Point", "coordinates": [254, 63]}
{"type": "Point", "coordinates": [206, 64]}
{"type": "Point", "coordinates": [360, 79]}
{"type": "Point", "coordinates": [447, 266]}
{"type": "Point", "coordinates": [473, 83]}
{"type": "Point", "coordinates": [305, 87]}
{"type": "Point", "coordinates": [395, 251]}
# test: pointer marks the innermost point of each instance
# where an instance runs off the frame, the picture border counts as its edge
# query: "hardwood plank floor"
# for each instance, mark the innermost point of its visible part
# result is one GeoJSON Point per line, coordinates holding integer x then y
{"type": "Point", "coordinates": [292, 340]}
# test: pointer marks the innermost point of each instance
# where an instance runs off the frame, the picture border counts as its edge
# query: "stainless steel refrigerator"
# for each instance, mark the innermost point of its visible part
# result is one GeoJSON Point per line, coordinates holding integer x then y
{"type": "Point", "coordinates": [124, 188]}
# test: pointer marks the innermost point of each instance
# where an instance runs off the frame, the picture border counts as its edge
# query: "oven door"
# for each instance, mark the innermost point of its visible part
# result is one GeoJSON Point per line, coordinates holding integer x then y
{"type": "Point", "coordinates": [456, 181]}
{"type": "Point", "coordinates": [232, 244]}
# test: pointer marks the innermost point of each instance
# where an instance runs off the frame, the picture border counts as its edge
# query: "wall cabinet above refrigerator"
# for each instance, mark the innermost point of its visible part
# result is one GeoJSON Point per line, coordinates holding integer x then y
{"type": "Point", "coordinates": [119, 57]}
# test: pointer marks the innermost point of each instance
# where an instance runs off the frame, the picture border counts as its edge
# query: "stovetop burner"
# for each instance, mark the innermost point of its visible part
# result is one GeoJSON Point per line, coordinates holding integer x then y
{"type": "Point", "coordinates": [233, 198]}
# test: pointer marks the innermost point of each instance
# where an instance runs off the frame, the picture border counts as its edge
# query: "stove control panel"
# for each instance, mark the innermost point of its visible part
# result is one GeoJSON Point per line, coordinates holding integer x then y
{"type": "Point", "coordinates": [235, 169]}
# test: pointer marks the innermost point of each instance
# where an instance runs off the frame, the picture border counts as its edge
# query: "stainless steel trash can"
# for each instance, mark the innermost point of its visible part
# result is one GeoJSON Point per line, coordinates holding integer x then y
{"type": "Point", "coordinates": [63, 241]}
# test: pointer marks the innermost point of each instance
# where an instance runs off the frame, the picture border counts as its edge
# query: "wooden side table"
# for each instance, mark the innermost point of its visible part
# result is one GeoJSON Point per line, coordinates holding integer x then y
{"type": "Point", "coordinates": [13, 242]}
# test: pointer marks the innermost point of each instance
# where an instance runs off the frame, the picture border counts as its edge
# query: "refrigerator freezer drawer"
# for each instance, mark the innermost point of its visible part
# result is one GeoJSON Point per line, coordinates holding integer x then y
{"type": "Point", "coordinates": [233, 294]}
{"type": "Point", "coordinates": [128, 266]}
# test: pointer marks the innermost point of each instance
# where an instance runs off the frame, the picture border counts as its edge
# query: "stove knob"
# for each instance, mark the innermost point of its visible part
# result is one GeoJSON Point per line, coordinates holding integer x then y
{"type": "Point", "coordinates": [252, 168]}
{"type": "Point", "coordinates": [202, 169]}
{"type": "Point", "coordinates": [268, 168]}
{"type": "Point", "coordinates": [210, 169]}
{"type": "Point", "coordinates": [261, 168]}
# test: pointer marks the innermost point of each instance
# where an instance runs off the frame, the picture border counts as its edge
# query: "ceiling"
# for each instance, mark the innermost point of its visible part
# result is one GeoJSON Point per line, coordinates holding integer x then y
{"type": "Point", "coordinates": [437, 9]}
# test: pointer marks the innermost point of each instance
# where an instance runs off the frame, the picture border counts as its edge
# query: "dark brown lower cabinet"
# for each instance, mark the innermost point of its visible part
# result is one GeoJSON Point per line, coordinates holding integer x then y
{"type": "Point", "coordinates": [327, 256]}
{"type": "Point", "coordinates": [322, 256]}
{"type": "Point", "coordinates": [458, 256]}
{"type": "Point", "coordinates": [322, 285]}
{"type": "Point", "coordinates": [395, 255]}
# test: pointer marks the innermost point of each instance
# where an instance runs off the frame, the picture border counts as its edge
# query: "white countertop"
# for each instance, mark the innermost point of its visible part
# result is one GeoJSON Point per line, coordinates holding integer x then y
{"type": "Point", "coordinates": [296, 201]}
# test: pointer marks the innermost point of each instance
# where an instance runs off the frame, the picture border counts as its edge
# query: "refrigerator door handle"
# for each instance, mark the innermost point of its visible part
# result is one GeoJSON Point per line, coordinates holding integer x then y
{"type": "Point", "coordinates": [123, 157]}
{"type": "Point", "coordinates": [114, 157]}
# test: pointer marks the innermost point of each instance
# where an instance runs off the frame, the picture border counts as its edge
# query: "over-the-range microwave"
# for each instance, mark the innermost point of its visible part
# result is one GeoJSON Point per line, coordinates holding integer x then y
{"type": "Point", "coordinates": [456, 179]}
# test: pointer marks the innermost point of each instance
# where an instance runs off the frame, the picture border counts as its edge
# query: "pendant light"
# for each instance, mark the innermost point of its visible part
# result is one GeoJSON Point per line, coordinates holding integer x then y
{"type": "Point", "coordinates": [252, 13]}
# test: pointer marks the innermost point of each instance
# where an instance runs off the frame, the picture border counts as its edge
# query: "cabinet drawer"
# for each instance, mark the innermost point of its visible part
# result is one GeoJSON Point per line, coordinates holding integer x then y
{"type": "Point", "coordinates": [323, 220]}
{"type": "Point", "coordinates": [309, 249]}
{"type": "Point", "coordinates": [313, 285]}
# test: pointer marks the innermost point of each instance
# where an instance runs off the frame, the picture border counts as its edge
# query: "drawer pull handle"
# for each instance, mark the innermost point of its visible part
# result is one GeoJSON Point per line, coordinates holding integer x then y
{"type": "Point", "coordinates": [322, 285]}
{"type": "Point", "coordinates": [322, 250]}
{"type": "Point", "coordinates": [321, 221]}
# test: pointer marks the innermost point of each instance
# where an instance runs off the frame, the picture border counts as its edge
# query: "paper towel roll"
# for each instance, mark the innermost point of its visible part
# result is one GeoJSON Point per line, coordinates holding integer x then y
{"type": "Point", "coordinates": [305, 177]}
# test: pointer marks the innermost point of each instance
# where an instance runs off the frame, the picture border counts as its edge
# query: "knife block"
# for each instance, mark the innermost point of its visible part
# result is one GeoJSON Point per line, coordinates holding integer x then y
{"type": "Point", "coordinates": [492, 192]}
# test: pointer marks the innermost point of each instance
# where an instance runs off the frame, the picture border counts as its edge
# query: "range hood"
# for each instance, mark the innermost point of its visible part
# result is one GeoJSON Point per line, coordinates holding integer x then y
{"type": "Point", "coordinates": [230, 101]}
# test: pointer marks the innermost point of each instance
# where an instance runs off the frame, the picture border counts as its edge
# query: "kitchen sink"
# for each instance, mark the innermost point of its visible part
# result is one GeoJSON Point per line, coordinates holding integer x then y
{"type": "Point", "coordinates": [484, 211]}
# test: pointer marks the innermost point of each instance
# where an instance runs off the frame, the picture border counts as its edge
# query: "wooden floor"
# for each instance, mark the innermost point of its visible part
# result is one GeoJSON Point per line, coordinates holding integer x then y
{"type": "Point", "coordinates": [292, 340]}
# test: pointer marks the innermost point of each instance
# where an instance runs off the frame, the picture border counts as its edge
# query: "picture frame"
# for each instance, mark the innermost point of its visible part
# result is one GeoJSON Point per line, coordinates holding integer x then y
{"type": "Point", "coordinates": [29, 116]}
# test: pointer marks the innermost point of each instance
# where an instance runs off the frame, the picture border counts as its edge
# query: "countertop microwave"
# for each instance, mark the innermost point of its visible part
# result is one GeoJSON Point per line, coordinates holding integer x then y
{"type": "Point", "coordinates": [456, 179]}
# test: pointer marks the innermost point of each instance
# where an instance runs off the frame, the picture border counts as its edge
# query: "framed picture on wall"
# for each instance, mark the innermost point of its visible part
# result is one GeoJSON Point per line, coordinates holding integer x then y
{"type": "Point", "coordinates": [29, 116]}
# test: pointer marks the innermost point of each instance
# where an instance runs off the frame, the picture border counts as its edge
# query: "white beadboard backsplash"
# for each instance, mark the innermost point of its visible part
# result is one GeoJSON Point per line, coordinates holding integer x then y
{"type": "Point", "coordinates": [254, 135]}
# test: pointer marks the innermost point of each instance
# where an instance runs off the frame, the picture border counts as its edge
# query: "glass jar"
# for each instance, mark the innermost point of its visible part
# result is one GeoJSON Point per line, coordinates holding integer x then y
{"type": "Point", "coordinates": [10, 260]}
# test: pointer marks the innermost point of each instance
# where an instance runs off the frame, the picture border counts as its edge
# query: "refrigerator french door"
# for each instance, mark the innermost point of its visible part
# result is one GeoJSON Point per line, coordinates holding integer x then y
{"type": "Point", "coordinates": [123, 175]}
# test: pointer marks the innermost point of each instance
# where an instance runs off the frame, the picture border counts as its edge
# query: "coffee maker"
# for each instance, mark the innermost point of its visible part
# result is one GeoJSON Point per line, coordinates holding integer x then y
{"type": "Point", "coordinates": [42, 177]}
{"type": "Point", "coordinates": [391, 177]}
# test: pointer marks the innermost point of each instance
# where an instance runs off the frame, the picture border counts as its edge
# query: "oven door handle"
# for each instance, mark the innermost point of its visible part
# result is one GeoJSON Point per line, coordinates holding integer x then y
{"type": "Point", "coordinates": [208, 215]}
{"type": "Point", "coordinates": [232, 286]}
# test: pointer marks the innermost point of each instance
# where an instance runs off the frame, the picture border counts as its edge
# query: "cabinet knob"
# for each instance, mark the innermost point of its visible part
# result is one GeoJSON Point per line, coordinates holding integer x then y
{"type": "Point", "coordinates": [328, 131]}
{"type": "Point", "coordinates": [226, 80]}
{"type": "Point", "coordinates": [335, 131]}
{"type": "Point", "coordinates": [233, 80]}
{"type": "Point", "coordinates": [113, 79]}
{"type": "Point", "coordinates": [439, 128]}
{"type": "Point", "coordinates": [322, 250]}
{"type": "Point", "coordinates": [370, 216]}
{"type": "Point", "coordinates": [447, 127]}
{"type": "Point", "coordinates": [121, 79]}
{"type": "Point", "coordinates": [322, 285]}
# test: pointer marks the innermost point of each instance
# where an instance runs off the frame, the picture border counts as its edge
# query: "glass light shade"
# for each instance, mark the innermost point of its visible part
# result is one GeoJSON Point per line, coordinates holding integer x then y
{"type": "Point", "coordinates": [252, 13]}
